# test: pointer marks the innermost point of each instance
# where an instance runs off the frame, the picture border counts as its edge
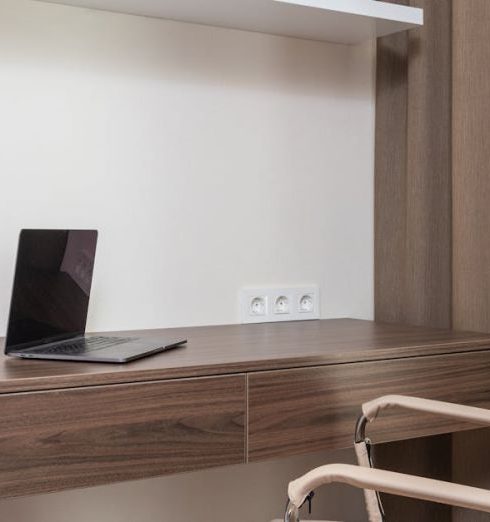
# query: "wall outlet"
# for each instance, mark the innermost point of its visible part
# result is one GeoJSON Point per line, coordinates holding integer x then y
{"type": "Point", "coordinates": [258, 306]}
{"type": "Point", "coordinates": [266, 305]}
{"type": "Point", "coordinates": [282, 305]}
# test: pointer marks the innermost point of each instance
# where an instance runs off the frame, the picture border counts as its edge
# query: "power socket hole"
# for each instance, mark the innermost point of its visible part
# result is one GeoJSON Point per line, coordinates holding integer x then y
{"type": "Point", "coordinates": [306, 304]}
{"type": "Point", "coordinates": [281, 306]}
{"type": "Point", "coordinates": [258, 306]}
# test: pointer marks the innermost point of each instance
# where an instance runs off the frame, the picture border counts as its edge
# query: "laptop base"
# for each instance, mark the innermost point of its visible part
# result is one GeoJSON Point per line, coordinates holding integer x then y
{"type": "Point", "coordinates": [119, 354]}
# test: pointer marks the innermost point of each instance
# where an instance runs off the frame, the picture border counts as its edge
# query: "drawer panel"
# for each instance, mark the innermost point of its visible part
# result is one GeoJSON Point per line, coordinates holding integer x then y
{"type": "Point", "coordinates": [313, 409]}
{"type": "Point", "coordinates": [50, 441]}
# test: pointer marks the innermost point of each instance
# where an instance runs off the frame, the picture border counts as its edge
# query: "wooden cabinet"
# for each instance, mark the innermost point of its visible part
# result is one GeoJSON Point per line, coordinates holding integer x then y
{"type": "Point", "coordinates": [312, 409]}
{"type": "Point", "coordinates": [80, 437]}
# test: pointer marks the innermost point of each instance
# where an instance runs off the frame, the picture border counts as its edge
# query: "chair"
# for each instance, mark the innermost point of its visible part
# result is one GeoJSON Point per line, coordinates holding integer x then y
{"type": "Point", "coordinates": [375, 481]}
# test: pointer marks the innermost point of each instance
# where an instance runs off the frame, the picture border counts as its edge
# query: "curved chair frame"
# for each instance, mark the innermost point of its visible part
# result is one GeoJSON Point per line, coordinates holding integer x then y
{"type": "Point", "coordinates": [374, 480]}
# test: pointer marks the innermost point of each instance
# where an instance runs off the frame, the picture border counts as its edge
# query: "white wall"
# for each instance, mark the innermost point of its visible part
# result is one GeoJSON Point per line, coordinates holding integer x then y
{"type": "Point", "coordinates": [209, 159]}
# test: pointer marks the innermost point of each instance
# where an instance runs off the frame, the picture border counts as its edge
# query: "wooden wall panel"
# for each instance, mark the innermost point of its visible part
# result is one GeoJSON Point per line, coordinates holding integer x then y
{"type": "Point", "coordinates": [413, 172]}
{"type": "Point", "coordinates": [471, 213]}
{"type": "Point", "coordinates": [429, 242]}
{"type": "Point", "coordinates": [413, 236]}
{"type": "Point", "coordinates": [440, 212]}
{"type": "Point", "coordinates": [470, 465]}
{"type": "Point", "coordinates": [471, 165]}
{"type": "Point", "coordinates": [390, 176]}
{"type": "Point", "coordinates": [426, 457]}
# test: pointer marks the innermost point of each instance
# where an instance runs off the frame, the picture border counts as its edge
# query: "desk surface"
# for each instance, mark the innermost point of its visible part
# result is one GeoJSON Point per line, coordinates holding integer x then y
{"type": "Point", "coordinates": [261, 392]}
{"type": "Point", "coordinates": [218, 350]}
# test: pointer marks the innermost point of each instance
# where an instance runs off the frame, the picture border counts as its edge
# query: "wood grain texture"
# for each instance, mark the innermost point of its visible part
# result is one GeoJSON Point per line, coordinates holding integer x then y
{"type": "Point", "coordinates": [215, 350]}
{"type": "Point", "coordinates": [308, 410]}
{"type": "Point", "coordinates": [425, 457]}
{"type": "Point", "coordinates": [413, 214]}
{"type": "Point", "coordinates": [413, 172]}
{"type": "Point", "coordinates": [51, 441]}
{"type": "Point", "coordinates": [471, 160]}
{"type": "Point", "coordinates": [471, 462]}
{"type": "Point", "coordinates": [471, 213]}
{"type": "Point", "coordinates": [390, 176]}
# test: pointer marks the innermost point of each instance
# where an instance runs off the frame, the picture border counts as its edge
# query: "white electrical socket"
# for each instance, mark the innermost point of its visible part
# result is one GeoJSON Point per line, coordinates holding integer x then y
{"type": "Point", "coordinates": [254, 306]}
{"type": "Point", "coordinates": [266, 305]}
{"type": "Point", "coordinates": [306, 304]}
{"type": "Point", "coordinates": [282, 305]}
{"type": "Point", "coordinates": [258, 306]}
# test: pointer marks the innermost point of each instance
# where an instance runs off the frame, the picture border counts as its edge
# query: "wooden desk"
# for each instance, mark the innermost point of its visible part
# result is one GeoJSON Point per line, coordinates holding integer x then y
{"type": "Point", "coordinates": [234, 394]}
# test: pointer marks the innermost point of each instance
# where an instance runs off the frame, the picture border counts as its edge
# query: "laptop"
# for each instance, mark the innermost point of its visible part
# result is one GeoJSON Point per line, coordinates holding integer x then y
{"type": "Point", "coordinates": [50, 297]}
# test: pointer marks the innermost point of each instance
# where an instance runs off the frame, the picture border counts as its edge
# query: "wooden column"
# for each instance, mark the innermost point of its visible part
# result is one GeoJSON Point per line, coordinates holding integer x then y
{"type": "Point", "coordinates": [471, 165]}
{"type": "Point", "coordinates": [413, 172]}
{"type": "Point", "coordinates": [471, 213]}
{"type": "Point", "coordinates": [413, 240]}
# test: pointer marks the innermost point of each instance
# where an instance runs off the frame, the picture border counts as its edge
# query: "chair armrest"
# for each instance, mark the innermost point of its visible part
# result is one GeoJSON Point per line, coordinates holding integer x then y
{"type": "Point", "coordinates": [470, 414]}
{"type": "Point", "coordinates": [392, 483]}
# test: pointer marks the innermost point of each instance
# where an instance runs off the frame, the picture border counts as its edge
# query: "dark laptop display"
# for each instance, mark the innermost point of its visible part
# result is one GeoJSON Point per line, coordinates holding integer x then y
{"type": "Point", "coordinates": [51, 287]}
{"type": "Point", "coordinates": [50, 298]}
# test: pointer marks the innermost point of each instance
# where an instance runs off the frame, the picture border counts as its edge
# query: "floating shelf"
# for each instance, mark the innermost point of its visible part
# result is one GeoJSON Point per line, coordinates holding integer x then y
{"type": "Point", "coordinates": [339, 21]}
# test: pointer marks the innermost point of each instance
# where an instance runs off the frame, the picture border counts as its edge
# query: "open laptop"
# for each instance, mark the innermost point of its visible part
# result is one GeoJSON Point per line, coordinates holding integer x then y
{"type": "Point", "coordinates": [50, 298]}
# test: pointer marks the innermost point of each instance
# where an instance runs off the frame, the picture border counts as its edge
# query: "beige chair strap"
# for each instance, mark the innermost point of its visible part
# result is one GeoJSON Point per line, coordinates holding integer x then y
{"type": "Point", "coordinates": [392, 483]}
{"type": "Point", "coordinates": [456, 411]}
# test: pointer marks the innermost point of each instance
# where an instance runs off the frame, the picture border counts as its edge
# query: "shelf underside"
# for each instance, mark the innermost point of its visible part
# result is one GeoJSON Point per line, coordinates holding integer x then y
{"type": "Point", "coordinates": [339, 21]}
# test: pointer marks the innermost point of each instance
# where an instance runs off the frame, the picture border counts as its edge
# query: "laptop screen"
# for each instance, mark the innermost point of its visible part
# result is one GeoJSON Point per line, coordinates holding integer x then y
{"type": "Point", "coordinates": [53, 276]}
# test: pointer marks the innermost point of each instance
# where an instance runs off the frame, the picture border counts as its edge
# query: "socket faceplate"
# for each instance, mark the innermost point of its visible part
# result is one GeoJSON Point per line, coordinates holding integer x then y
{"type": "Point", "coordinates": [268, 304]}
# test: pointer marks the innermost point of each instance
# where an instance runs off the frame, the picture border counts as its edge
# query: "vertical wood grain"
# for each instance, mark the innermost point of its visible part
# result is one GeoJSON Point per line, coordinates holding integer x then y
{"type": "Point", "coordinates": [390, 176]}
{"type": "Point", "coordinates": [471, 164]}
{"type": "Point", "coordinates": [471, 213]}
{"type": "Point", "coordinates": [413, 207]}
{"type": "Point", "coordinates": [413, 172]}
{"type": "Point", "coordinates": [429, 241]}
{"type": "Point", "coordinates": [426, 457]}
{"type": "Point", "coordinates": [471, 462]}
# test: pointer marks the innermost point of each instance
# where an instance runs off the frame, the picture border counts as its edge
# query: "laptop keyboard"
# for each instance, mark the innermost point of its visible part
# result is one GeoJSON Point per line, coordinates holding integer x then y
{"type": "Point", "coordinates": [81, 346]}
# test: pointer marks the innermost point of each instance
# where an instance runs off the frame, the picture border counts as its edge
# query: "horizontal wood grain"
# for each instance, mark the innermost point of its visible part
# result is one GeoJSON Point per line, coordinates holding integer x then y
{"type": "Point", "coordinates": [51, 441]}
{"type": "Point", "coordinates": [217, 350]}
{"type": "Point", "coordinates": [308, 410]}
{"type": "Point", "coordinates": [70, 425]}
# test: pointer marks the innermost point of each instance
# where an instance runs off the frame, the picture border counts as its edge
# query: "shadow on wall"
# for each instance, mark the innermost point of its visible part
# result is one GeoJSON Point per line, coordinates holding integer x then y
{"type": "Point", "coordinates": [118, 44]}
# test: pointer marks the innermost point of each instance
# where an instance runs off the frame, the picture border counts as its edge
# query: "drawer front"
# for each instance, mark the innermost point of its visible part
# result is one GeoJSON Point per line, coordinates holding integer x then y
{"type": "Point", "coordinates": [312, 409]}
{"type": "Point", "coordinates": [50, 441]}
